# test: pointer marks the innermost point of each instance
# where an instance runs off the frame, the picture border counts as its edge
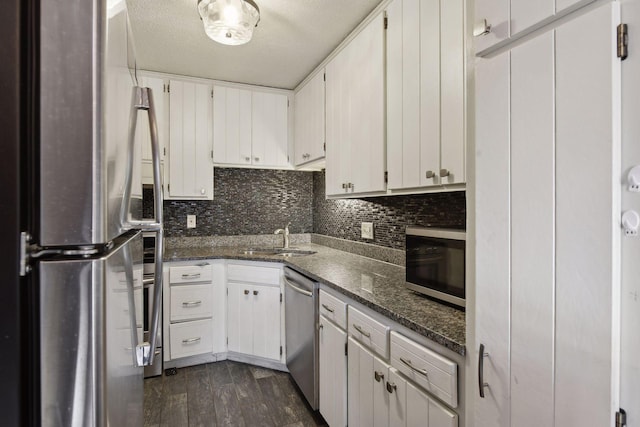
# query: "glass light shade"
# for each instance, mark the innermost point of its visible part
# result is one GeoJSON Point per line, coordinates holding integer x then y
{"type": "Point", "coordinates": [229, 22]}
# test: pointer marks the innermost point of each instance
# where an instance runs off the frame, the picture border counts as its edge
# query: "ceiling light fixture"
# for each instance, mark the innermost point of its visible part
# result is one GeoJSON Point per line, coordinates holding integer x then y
{"type": "Point", "coordinates": [229, 22]}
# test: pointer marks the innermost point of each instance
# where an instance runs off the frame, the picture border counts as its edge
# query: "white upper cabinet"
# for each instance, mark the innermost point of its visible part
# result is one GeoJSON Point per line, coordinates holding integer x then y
{"type": "Point", "coordinates": [143, 138]}
{"type": "Point", "coordinates": [309, 121]}
{"type": "Point", "coordinates": [231, 125]}
{"type": "Point", "coordinates": [269, 119]}
{"type": "Point", "coordinates": [250, 127]}
{"type": "Point", "coordinates": [425, 93]}
{"type": "Point", "coordinates": [190, 145]}
{"type": "Point", "coordinates": [355, 115]}
{"type": "Point", "coordinates": [158, 88]}
{"type": "Point", "coordinates": [497, 20]}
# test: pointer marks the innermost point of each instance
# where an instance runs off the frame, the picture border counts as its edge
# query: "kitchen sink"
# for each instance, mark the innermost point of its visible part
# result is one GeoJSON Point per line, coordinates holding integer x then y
{"type": "Point", "coordinates": [285, 252]}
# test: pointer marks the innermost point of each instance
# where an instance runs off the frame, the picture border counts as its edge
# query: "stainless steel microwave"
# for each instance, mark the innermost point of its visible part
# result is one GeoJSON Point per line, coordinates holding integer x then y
{"type": "Point", "coordinates": [436, 263]}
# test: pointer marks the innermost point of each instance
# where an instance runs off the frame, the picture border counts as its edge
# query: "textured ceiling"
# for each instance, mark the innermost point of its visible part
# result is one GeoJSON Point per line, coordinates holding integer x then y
{"type": "Point", "coordinates": [292, 38]}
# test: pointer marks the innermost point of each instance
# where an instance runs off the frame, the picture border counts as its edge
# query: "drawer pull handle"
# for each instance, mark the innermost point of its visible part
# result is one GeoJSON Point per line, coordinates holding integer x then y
{"type": "Point", "coordinates": [391, 387]}
{"type": "Point", "coordinates": [481, 384]}
{"type": "Point", "coordinates": [191, 276]}
{"type": "Point", "coordinates": [191, 303]}
{"type": "Point", "coordinates": [255, 292]}
{"type": "Point", "coordinates": [359, 329]}
{"type": "Point", "coordinates": [410, 365]}
{"type": "Point", "coordinates": [246, 292]}
{"type": "Point", "coordinates": [191, 340]}
{"type": "Point", "coordinates": [326, 307]}
{"type": "Point", "coordinates": [379, 376]}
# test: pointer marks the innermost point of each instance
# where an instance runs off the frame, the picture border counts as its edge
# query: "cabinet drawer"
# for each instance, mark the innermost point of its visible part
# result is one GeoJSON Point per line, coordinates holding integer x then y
{"type": "Point", "coordinates": [431, 371]}
{"type": "Point", "coordinates": [191, 302]}
{"type": "Point", "coordinates": [253, 274]}
{"type": "Point", "coordinates": [333, 309]}
{"type": "Point", "coordinates": [191, 338]}
{"type": "Point", "coordinates": [190, 273]}
{"type": "Point", "coordinates": [368, 331]}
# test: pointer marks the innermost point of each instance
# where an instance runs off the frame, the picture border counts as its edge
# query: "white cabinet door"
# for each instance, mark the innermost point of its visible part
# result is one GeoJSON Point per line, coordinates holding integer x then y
{"type": "Point", "coordinates": [240, 318]}
{"type": "Point", "coordinates": [190, 147]}
{"type": "Point", "coordinates": [546, 324]}
{"type": "Point", "coordinates": [157, 86]}
{"type": "Point", "coordinates": [266, 321]}
{"type": "Point", "coordinates": [269, 118]}
{"type": "Point", "coordinates": [253, 318]}
{"type": "Point", "coordinates": [366, 116]}
{"type": "Point", "coordinates": [367, 395]}
{"type": "Point", "coordinates": [425, 93]}
{"type": "Point", "coordinates": [338, 155]}
{"type": "Point", "coordinates": [231, 125]}
{"type": "Point", "coordinates": [452, 86]}
{"type": "Point", "coordinates": [532, 231]}
{"type": "Point", "coordinates": [309, 121]}
{"type": "Point", "coordinates": [493, 236]}
{"type": "Point", "coordinates": [333, 373]}
{"type": "Point", "coordinates": [587, 245]}
{"type": "Point", "coordinates": [355, 115]}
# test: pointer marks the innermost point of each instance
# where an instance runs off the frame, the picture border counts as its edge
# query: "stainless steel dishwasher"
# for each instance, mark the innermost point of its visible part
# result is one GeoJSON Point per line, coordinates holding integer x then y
{"type": "Point", "coordinates": [301, 314]}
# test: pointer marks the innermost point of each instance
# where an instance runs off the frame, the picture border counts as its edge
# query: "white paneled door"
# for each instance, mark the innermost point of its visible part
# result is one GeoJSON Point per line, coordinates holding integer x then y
{"type": "Point", "coordinates": [548, 269]}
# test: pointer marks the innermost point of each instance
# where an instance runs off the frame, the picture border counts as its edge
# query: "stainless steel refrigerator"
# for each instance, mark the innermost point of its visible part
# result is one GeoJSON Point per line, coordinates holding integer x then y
{"type": "Point", "coordinates": [79, 317]}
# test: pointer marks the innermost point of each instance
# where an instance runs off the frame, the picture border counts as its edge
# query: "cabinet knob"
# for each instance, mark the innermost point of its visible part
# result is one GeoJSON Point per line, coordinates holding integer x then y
{"type": "Point", "coordinates": [444, 172]}
{"type": "Point", "coordinates": [391, 387]}
{"type": "Point", "coordinates": [247, 159]}
{"type": "Point", "coordinates": [257, 159]}
{"type": "Point", "coordinates": [482, 28]}
{"type": "Point", "coordinates": [431, 174]}
{"type": "Point", "coordinates": [344, 185]}
{"type": "Point", "coordinates": [378, 376]}
{"type": "Point", "coordinates": [246, 292]}
{"type": "Point", "coordinates": [255, 292]}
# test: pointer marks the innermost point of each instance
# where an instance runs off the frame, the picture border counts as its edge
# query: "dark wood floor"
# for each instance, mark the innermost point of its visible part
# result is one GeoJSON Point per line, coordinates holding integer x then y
{"type": "Point", "coordinates": [226, 394]}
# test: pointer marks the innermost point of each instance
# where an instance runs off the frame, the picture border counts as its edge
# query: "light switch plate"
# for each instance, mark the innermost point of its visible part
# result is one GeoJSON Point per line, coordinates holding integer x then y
{"type": "Point", "coordinates": [367, 230]}
{"type": "Point", "coordinates": [191, 221]}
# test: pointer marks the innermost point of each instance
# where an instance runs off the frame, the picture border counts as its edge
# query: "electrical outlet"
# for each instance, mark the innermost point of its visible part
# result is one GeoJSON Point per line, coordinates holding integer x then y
{"type": "Point", "coordinates": [191, 221]}
{"type": "Point", "coordinates": [367, 230]}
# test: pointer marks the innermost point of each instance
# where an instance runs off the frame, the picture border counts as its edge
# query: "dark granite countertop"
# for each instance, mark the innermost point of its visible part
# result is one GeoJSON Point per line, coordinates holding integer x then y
{"type": "Point", "coordinates": [376, 284]}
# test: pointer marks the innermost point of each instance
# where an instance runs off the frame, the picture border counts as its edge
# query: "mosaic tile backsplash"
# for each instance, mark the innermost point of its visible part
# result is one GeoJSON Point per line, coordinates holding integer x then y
{"type": "Point", "coordinates": [257, 201]}
{"type": "Point", "coordinates": [246, 201]}
{"type": "Point", "coordinates": [390, 214]}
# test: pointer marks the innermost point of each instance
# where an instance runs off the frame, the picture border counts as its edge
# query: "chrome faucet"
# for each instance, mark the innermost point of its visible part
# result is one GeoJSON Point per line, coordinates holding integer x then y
{"type": "Point", "coordinates": [285, 234]}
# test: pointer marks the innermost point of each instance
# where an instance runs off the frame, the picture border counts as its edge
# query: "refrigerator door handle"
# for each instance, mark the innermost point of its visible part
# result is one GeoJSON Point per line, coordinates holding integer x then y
{"type": "Point", "coordinates": [142, 99]}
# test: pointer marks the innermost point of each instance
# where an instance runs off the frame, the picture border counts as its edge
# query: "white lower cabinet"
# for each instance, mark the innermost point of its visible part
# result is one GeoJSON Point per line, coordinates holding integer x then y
{"type": "Point", "coordinates": [333, 373]}
{"type": "Point", "coordinates": [254, 316]}
{"type": "Point", "coordinates": [193, 314]}
{"type": "Point", "coordinates": [380, 396]}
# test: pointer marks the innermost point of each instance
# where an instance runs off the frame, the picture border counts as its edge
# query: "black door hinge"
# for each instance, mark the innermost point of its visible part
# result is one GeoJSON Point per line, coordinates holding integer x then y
{"type": "Point", "coordinates": [168, 88]}
{"type": "Point", "coordinates": [346, 349]}
{"type": "Point", "coordinates": [621, 418]}
{"type": "Point", "coordinates": [386, 177]}
{"type": "Point", "coordinates": [325, 77]}
{"type": "Point", "coordinates": [324, 147]}
{"type": "Point", "coordinates": [623, 42]}
{"type": "Point", "coordinates": [280, 350]}
{"type": "Point", "coordinates": [386, 22]}
{"type": "Point", "coordinates": [280, 296]}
